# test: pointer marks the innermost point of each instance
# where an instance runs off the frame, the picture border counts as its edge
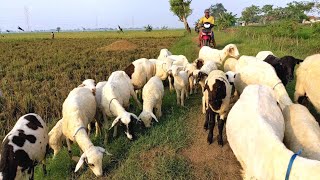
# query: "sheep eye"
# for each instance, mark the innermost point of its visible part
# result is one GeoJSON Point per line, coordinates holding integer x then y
{"type": "Point", "coordinates": [91, 165]}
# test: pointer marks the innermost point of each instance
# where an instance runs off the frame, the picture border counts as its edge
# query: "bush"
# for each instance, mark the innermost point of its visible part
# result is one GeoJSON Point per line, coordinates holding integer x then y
{"type": "Point", "coordinates": [148, 28]}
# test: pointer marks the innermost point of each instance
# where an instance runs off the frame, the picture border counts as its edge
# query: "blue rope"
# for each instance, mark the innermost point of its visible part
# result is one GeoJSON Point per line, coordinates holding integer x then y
{"type": "Point", "coordinates": [293, 157]}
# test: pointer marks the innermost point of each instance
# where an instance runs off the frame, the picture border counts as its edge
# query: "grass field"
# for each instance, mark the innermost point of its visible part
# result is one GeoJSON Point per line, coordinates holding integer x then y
{"type": "Point", "coordinates": [37, 74]}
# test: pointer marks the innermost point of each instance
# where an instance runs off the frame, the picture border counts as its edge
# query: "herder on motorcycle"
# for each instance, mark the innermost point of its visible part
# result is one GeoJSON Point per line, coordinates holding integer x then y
{"type": "Point", "coordinates": [206, 20]}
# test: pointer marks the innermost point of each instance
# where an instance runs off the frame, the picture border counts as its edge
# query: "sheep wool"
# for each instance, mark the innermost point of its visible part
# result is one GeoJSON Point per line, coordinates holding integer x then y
{"type": "Point", "coordinates": [257, 120]}
{"type": "Point", "coordinates": [308, 80]}
{"type": "Point", "coordinates": [152, 95]}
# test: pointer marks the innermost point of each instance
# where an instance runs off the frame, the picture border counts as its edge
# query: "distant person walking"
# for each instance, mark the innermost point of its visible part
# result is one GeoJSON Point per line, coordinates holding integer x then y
{"type": "Point", "coordinates": [52, 35]}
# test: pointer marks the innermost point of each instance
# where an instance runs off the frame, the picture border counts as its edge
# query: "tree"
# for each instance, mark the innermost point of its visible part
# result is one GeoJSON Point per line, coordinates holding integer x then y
{"type": "Point", "coordinates": [58, 29]}
{"type": "Point", "coordinates": [268, 13]}
{"type": "Point", "coordinates": [223, 18]}
{"type": "Point", "coordinates": [296, 10]}
{"type": "Point", "coordinates": [226, 20]}
{"type": "Point", "coordinates": [148, 28]}
{"type": "Point", "coordinates": [251, 14]}
{"type": "Point", "coordinates": [181, 8]}
{"type": "Point", "coordinates": [217, 10]}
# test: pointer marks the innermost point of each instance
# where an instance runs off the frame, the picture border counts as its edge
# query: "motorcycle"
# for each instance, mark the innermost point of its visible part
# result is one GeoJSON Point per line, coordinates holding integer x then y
{"type": "Point", "coordinates": [206, 34]}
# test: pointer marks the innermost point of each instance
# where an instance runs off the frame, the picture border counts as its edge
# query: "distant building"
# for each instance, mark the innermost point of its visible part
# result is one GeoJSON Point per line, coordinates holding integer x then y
{"type": "Point", "coordinates": [312, 19]}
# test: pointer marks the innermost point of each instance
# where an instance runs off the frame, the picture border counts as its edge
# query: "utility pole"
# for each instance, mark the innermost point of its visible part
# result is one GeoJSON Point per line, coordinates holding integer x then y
{"type": "Point", "coordinates": [27, 14]}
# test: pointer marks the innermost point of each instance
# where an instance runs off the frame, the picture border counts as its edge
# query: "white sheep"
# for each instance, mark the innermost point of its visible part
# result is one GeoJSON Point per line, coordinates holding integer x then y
{"type": "Point", "coordinates": [255, 130]}
{"type": "Point", "coordinates": [308, 80]}
{"type": "Point", "coordinates": [302, 131]}
{"type": "Point", "coordinates": [263, 54]}
{"type": "Point", "coordinates": [190, 68]}
{"type": "Point", "coordinates": [179, 60]}
{"type": "Point", "coordinates": [201, 75]}
{"type": "Point", "coordinates": [89, 83]}
{"type": "Point", "coordinates": [164, 53]}
{"type": "Point", "coordinates": [56, 138]}
{"type": "Point", "coordinates": [23, 147]}
{"type": "Point", "coordinates": [218, 56]}
{"type": "Point", "coordinates": [152, 95]}
{"type": "Point", "coordinates": [115, 98]}
{"type": "Point", "coordinates": [181, 84]}
{"type": "Point", "coordinates": [78, 110]}
{"type": "Point", "coordinates": [140, 71]}
{"type": "Point", "coordinates": [162, 67]}
{"type": "Point", "coordinates": [260, 72]}
{"type": "Point", "coordinates": [230, 65]}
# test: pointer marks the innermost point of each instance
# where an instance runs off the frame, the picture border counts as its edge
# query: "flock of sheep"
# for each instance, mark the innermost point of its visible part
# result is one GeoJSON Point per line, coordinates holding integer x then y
{"type": "Point", "coordinates": [264, 127]}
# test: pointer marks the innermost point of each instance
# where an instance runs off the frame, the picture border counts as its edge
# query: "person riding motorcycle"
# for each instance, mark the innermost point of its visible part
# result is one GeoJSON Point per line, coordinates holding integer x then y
{"type": "Point", "coordinates": [204, 19]}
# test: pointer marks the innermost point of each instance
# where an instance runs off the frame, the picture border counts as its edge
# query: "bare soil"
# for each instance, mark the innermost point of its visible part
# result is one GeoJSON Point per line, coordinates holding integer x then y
{"type": "Point", "coordinates": [209, 161]}
{"type": "Point", "coordinates": [121, 45]}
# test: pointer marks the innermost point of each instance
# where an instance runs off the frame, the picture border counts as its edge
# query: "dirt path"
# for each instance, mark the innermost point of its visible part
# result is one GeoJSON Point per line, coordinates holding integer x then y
{"type": "Point", "coordinates": [209, 161]}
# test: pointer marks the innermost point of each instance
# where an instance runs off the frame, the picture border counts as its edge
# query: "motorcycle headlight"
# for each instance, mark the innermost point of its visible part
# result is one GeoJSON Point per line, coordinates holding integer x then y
{"type": "Point", "coordinates": [206, 25]}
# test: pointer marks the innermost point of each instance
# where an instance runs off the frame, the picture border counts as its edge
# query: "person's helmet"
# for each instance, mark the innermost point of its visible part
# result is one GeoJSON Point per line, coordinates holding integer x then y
{"type": "Point", "coordinates": [206, 10]}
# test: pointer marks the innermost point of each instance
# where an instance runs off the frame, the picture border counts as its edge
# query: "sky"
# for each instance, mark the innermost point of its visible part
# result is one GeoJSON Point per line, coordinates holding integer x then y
{"type": "Point", "coordinates": [73, 14]}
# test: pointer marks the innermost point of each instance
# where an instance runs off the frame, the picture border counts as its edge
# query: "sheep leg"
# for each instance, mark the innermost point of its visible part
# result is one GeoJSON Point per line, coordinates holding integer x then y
{"type": "Point", "coordinates": [211, 124]}
{"type": "Point", "coordinates": [183, 92]}
{"type": "Point", "coordinates": [170, 83]}
{"type": "Point", "coordinates": [203, 105]}
{"type": "Point", "coordinates": [187, 91]}
{"type": "Point", "coordinates": [158, 110]}
{"type": "Point", "coordinates": [89, 129]}
{"type": "Point", "coordinates": [206, 121]}
{"type": "Point", "coordinates": [191, 85]}
{"type": "Point", "coordinates": [115, 131]}
{"type": "Point", "coordinates": [220, 127]}
{"type": "Point", "coordinates": [44, 167]}
{"type": "Point", "coordinates": [178, 96]}
{"type": "Point", "coordinates": [69, 147]}
{"type": "Point", "coordinates": [134, 95]}
{"type": "Point", "coordinates": [32, 172]}
{"type": "Point", "coordinates": [98, 128]}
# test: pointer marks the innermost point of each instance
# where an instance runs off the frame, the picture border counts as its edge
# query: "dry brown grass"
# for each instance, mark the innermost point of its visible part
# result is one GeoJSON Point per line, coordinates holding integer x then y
{"type": "Point", "coordinates": [121, 45]}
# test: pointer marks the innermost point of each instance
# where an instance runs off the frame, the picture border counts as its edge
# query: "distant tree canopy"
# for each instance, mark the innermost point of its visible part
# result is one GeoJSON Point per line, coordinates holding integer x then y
{"type": "Point", "coordinates": [223, 19]}
{"type": "Point", "coordinates": [181, 8]}
{"type": "Point", "coordinates": [58, 29]}
{"type": "Point", "coordinates": [295, 11]}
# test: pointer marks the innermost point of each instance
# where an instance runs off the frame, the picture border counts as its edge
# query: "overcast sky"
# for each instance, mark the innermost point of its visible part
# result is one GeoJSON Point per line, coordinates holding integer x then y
{"type": "Point", "coordinates": [71, 14]}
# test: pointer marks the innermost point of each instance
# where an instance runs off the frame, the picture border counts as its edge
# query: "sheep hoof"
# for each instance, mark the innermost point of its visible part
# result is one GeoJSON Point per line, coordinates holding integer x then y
{"type": "Point", "coordinates": [220, 142]}
{"type": "Point", "coordinates": [210, 140]}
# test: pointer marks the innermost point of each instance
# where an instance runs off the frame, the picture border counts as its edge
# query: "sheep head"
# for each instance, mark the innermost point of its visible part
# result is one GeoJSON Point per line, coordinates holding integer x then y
{"type": "Point", "coordinates": [174, 70]}
{"type": "Point", "coordinates": [127, 119]}
{"type": "Point", "coordinates": [147, 118]}
{"type": "Point", "coordinates": [230, 76]}
{"type": "Point", "coordinates": [89, 83]}
{"type": "Point", "coordinates": [93, 158]}
{"type": "Point", "coordinates": [231, 50]}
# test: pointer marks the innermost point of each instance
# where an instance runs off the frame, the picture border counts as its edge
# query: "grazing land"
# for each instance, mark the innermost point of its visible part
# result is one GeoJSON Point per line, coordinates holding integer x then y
{"type": "Point", "coordinates": [37, 73]}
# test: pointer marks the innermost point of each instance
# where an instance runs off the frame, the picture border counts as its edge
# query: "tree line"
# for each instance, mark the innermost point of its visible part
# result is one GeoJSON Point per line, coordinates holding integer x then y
{"type": "Point", "coordinates": [294, 11]}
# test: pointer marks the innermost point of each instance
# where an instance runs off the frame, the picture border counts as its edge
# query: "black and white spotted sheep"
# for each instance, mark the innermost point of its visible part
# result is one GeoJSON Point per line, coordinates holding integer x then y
{"type": "Point", "coordinates": [23, 148]}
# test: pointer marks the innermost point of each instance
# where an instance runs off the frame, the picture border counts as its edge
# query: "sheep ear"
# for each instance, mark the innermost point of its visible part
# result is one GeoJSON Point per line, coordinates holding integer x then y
{"type": "Point", "coordinates": [154, 117]}
{"type": "Point", "coordinates": [227, 76]}
{"type": "Point", "coordinates": [115, 122]}
{"type": "Point", "coordinates": [103, 150]}
{"type": "Point", "coordinates": [80, 162]}
{"type": "Point", "coordinates": [299, 61]}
